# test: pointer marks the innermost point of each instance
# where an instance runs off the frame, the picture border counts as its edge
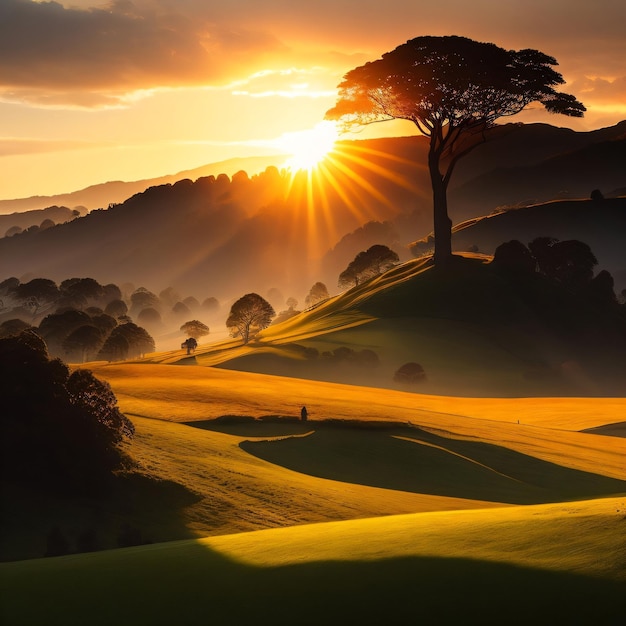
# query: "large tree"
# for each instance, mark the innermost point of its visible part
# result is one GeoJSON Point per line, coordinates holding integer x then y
{"type": "Point", "coordinates": [248, 315]}
{"type": "Point", "coordinates": [453, 89]}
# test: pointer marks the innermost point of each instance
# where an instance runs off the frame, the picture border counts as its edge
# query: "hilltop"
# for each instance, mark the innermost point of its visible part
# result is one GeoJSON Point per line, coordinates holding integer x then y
{"type": "Point", "coordinates": [601, 224]}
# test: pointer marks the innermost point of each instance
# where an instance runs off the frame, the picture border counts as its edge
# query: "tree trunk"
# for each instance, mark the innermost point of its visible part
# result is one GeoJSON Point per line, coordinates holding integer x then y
{"type": "Point", "coordinates": [442, 224]}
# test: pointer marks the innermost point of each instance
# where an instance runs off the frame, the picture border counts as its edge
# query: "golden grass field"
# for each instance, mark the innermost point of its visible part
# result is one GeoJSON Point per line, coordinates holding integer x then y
{"type": "Point", "coordinates": [385, 507]}
{"type": "Point", "coordinates": [360, 523]}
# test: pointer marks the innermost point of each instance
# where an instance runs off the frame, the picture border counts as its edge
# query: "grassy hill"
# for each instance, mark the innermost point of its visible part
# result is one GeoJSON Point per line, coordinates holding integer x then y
{"type": "Point", "coordinates": [523, 565]}
{"type": "Point", "coordinates": [599, 224]}
{"type": "Point", "coordinates": [475, 331]}
{"type": "Point", "coordinates": [383, 506]}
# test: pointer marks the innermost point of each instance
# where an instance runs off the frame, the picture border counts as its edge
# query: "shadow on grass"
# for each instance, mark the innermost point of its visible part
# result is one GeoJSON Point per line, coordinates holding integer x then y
{"type": "Point", "coordinates": [248, 426]}
{"type": "Point", "coordinates": [431, 464]}
{"type": "Point", "coordinates": [134, 510]}
{"type": "Point", "coordinates": [189, 584]}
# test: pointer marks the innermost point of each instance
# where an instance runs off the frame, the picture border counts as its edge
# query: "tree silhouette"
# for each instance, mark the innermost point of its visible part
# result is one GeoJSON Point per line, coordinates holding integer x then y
{"type": "Point", "coordinates": [139, 340]}
{"type": "Point", "coordinates": [115, 348]}
{"type": "Point", "coordinates": [57, 430]}
{"type": "Point", "coordinates": [83, 343]}
{"type": "Point", "coordinates": [248, 315]}
{"type": "Point", "coordinates": [570, 262]}
{"type": "Point", "coordinates": [410, 374]}
{"type": "Point", "coordinates": [116, 308]}
{"type": "Point", "coordinates": [452, 88]}
{"type": "Point", "coordinates": [195, 329]}
{"type": "Point", "coordinates": [317, 293]}
{"type": "Point", "coordinates": [76, 292]}
{"type": "Point", "coordinates": [143, 298]}
{"type": "Point", "coordinates": [37, 294]}
{"type": "Point", "coordinates": [371, 262]}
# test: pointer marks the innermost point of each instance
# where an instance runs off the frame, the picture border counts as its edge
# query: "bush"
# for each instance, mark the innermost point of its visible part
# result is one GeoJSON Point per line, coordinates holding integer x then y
{"type": "Point", "coordinates": [58, 431]}
{"type": "Point", "coordinates": [410, 374]}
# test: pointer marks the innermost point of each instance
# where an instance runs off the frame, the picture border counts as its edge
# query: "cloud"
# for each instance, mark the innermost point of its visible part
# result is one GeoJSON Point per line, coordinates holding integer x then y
{"type": "Point", "coordinates": [316, 82]}
{"type": "Point", "coordinates": [73, 53]}
{"type": "Point", "coordinates": [53, 55]}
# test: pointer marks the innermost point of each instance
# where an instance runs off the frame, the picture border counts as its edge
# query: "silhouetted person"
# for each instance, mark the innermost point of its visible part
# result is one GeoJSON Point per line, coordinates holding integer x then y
{"type": "Point", "coordinates": [304, 414]}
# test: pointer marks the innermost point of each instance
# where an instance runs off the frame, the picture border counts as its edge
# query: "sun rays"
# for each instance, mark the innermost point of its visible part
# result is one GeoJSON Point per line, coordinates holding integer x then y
{"type": "Point", "coordinates": [308, 147]}
{"type": "Point", "coordinates": [342, 190]}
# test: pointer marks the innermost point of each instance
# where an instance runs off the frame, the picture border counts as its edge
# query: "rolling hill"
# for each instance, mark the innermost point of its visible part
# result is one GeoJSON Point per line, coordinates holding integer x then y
{"type": "Point", "coordinates": [600, 224]}
{"type": "Point", "coordinates": [534, 565]}
{"type": "Point", "coordinates": [272, 230]}
{"type": "Point", "coordinates": [491, 491]}
{"type": "Point", "coordinates": [403, 493]}
{"type": "Point", "coordinates": [474, 330]}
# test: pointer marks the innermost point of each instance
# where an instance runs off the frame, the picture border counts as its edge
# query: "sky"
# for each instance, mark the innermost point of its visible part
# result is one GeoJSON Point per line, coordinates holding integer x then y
{"type": "Point", "coordinates": [100, 90]}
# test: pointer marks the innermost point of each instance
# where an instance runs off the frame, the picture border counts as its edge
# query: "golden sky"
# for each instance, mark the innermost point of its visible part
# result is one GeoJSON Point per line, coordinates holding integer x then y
{"type": "Point", "coordinates": [98, 90]}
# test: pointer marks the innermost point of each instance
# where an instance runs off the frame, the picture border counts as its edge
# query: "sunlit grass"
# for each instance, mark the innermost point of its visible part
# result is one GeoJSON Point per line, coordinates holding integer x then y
{"type": "Point", "coordinates": [550, 564]}
{"type": "Point", "coordinates": [547, 426]}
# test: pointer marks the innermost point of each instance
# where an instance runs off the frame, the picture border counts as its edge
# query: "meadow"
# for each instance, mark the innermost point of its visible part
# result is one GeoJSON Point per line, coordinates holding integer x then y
{"type": "Point", "coordinates": [386, 506]}
{"type": "Point", "coordinates": [383, 506]}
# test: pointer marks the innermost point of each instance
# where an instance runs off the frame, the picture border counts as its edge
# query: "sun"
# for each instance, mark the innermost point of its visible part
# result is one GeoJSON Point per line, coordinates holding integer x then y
{"type": "Point", "coordinates": [308, 147]}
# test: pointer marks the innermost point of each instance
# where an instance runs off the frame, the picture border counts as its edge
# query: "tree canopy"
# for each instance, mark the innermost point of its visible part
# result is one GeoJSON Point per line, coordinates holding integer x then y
{"type": "Point", "coordinates": [453, 89]}
{"type": "Point", "coordinates": [371, 262]}
{"type": "Point", "coordinates": [250, 314]}
{"type": "Point", "coordinates": [317, 293]}
{"type": "Point", "coordinates": [195, 329]}
{"type": "Point", "coordinates": [58, 430]}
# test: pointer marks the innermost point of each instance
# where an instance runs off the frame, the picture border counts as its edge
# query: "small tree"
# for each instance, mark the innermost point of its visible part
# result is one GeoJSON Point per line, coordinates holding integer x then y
{"type": "Point", "coordinates": [115, 348]}
{"type": "Point", "coordinates": [77, 292]}
{"type": "Point", "coordinates": [250, 314]}
{"type": "Point", "coordinates": [138, 339]}
{"type": "Point", "coordinates": [410, 374]}
{"type": "Point", "coordinates": [195, 329]}
{"type": "Point", "coordinates": [190, 344]}
{"type": "Point", "coordinates": [370, 262]}
{"type": "Point", "coordinates": [116, 308]}
{"type": "Point", "coordinates": [210, 305]}
{"type": "Point", "coordinates": [452, 89]}
{"type": "Point", "coordinates": [514, 257]}
{"type": "Point", "coordinates": [142, 298]}
{"type": "Point", "coordinates": [317, 293]}
{"type": "Point", "coordinates": [83, 343]}
{"type": "Point", "coordinates": [570, 262]}
{"type": "Point", "coordinates": [348, 278]}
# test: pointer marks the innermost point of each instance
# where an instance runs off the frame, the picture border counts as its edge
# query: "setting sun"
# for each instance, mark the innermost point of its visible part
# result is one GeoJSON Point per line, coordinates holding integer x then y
{"type": "Point", "coordinates": [308, 147]}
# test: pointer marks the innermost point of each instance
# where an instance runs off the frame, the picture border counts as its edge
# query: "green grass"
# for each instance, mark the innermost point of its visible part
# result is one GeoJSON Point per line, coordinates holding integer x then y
{"type": "Point", "coordinates": [386, 507]}
{"type": "Point", "coordinates": [475, 331]}
{"type": "Point", "coordinates": [518, 565]}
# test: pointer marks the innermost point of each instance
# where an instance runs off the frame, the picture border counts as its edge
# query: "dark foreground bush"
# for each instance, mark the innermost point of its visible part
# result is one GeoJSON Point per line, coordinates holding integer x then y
{"type": "Point", "coordinates": [58, 430]}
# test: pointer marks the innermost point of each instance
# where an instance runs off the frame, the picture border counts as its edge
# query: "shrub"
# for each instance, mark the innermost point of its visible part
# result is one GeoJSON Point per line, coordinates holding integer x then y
{"type": "Point", "coordinates": [57, 431]}
{"type": "Point", "coordinates": [410, 374]}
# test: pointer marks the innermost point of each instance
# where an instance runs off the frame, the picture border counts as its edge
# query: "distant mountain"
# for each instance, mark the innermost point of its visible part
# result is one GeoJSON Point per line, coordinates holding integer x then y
{"type": "Point", "coordinates": [104, 194]}
{"type": "Point", "coordinates": [222, 237]}
{"type": "Point", "coordinates": [570, 174]}
{"type": "Point", "coordinates": [26, 219]}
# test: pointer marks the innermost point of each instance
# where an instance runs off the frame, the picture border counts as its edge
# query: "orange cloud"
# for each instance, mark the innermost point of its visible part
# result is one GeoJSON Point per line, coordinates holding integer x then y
{"type": "Point", "coordinates": [51, 53]}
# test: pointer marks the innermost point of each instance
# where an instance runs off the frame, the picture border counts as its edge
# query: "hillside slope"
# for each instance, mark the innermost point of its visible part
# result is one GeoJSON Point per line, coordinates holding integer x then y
{"type": "Point", "coordinates": [543, 565]}
{"type": "Point", "coordinates": [474, 330]}
{"type": "Point", "coordinates": [599, 224]}
{"type": "Point", "coordinates": [272, 230]}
